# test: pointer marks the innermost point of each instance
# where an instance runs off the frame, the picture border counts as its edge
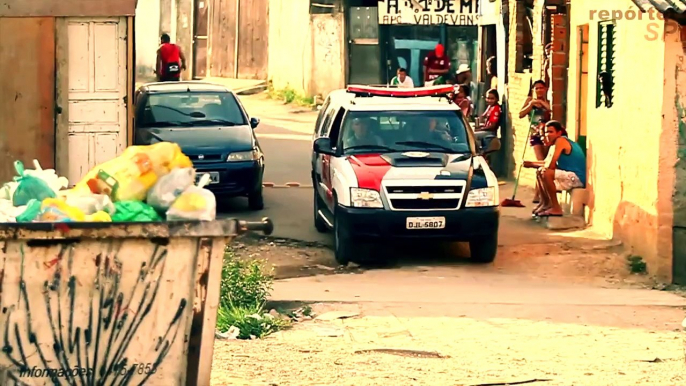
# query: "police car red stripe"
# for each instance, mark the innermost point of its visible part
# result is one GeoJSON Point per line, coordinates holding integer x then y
{"type": "Point", "coordinates": [370, 170]}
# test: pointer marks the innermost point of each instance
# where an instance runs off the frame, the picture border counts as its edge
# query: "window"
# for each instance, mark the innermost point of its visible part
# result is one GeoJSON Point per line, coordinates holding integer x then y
{"type": "Point", "coordinates": [318, 127]}
{"type": "Point", "coordinates": [325, 6]}
{"type": "Point", "coordinates": [525, 27]}
{"type": "Point", "coordinates": [327, 122]}
{"type": "Point", "coordinates": [400, 131]}
{"type": "Point", "coordinates": [606, 64]}
{"type": "Point", "coordinates": [192, 109]}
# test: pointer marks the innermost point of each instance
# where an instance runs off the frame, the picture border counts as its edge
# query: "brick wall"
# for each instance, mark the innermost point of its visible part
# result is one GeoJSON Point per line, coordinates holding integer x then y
{"type": "Point", "coordinates": [559, 63]}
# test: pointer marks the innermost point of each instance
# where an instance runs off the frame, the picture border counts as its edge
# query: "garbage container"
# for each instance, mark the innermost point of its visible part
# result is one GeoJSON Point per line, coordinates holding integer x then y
{"type": "Point", "coordinates": [111, 303]}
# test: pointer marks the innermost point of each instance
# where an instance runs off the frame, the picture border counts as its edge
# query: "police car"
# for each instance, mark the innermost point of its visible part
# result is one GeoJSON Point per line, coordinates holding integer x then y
{"type": "Point", "coordinates": [401, 164]}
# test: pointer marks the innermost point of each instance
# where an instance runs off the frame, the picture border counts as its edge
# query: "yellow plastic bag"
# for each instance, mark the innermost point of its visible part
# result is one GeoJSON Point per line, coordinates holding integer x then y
{"type": "Point", "coordinates": [195, 203]}
{"type": "Point", "coordinates": [130, 176]}
{"type": "Point", "coordinates": [57, 210]}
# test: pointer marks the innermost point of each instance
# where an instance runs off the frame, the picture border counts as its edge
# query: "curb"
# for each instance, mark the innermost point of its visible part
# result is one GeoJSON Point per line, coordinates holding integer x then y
{"type": "Point", "coordinates": [286, 185]}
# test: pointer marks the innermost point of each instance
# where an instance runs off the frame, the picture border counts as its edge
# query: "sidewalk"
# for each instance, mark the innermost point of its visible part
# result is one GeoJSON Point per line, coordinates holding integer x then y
{"type": "Point", "coordinates": [273, 112]}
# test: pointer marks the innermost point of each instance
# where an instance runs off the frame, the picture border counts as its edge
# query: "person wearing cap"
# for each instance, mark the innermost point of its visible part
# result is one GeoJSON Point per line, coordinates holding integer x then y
{"type": "Point", "coordinates": [436, 66]}
{"type": "Point", "coordinates": [463, 76]}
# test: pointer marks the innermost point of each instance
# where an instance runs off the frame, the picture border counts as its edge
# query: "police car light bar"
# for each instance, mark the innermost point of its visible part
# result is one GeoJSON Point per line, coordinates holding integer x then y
{"type": "Point", "coordinates": [370, 91]}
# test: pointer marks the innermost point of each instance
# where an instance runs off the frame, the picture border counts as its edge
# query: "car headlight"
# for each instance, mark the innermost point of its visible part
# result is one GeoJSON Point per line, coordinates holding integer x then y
{"type": "Point", "coordinates": [365, 198]}
{"type": "Point", "coordinates": [252, 155]}
{"type": "Point", "coordinates": [482, 197]}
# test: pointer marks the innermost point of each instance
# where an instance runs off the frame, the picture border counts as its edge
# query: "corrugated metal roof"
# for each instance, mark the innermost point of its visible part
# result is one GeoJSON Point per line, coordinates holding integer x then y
{"type": "Point", "coordinates": [664, 6]}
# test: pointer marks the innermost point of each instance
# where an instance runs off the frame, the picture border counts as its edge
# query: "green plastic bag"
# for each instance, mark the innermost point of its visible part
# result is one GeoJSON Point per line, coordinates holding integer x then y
{"type": "Point", "coordinates": [29, 188]}
{"type": "Point", "coordinates": [31, 212]}
{"type": "Point", "coordinates": [134, 211]}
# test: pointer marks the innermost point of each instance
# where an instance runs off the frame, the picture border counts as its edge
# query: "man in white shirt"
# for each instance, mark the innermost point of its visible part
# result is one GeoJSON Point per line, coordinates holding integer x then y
{"type": "Point", "coordinates": [401, 80]}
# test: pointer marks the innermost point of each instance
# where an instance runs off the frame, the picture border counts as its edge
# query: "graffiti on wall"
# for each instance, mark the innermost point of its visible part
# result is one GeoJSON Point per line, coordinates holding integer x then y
{"type": "Point", "coordinates": [58, 336]}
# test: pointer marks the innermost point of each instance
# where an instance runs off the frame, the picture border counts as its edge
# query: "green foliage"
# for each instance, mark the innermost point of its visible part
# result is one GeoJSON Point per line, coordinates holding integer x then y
{"type": "Point", "coordinates": [637, 265]}
{"type": "Point", "coordinates": [288, 95]}
{"type": "Point", "coordinates": [245, 287]}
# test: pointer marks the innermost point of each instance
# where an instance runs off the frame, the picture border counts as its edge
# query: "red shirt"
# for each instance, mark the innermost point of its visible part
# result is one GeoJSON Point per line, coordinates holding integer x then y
{"type": "Point", "coordinates": [492, 115]}
{"type": "Point", "coordinates": [431, 62]}
{"type": "Point", "coordinates": [169, 53]}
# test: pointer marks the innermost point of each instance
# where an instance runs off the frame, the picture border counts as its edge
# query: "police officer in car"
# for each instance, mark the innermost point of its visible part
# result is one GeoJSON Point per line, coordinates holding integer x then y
{"type": "Point", "coordinates": [362, 135]}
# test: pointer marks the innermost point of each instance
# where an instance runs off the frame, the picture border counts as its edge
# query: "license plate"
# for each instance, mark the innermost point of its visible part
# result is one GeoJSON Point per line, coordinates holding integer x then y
{"type": "Point", "coordinates": [425, 222]}
{"type": "Point", "coordinates": [214, 177]}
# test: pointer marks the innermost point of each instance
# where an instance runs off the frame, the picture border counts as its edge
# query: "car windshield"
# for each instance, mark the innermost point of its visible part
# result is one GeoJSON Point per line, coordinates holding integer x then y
{"type": "Point", "coordinates": [391, 131]}
{"type": "Point", "coordinates": [191, 110]}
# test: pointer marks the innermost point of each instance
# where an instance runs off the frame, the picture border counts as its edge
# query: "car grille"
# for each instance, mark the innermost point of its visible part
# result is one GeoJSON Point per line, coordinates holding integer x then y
{"type": "Point", "coordinates": [206, 158]}
{"type": "Point", "coordinates": [425, 195]}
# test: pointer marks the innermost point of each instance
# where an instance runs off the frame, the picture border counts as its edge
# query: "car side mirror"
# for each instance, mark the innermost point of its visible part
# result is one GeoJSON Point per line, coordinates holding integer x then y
{"type": "Point", "coordinates": [254, 122]}
{"type": "Point", "coordinates": [492, 147]}
{"type": "Point", "coordinates": [323, 146]}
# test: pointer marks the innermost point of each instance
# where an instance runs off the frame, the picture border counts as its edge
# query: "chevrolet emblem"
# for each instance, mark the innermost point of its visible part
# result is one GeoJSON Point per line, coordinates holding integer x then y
{"type": "Point", "coordinates": [425, 196]}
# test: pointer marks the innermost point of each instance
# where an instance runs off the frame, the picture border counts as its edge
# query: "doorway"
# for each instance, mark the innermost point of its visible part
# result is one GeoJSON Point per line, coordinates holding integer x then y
{"type": "Point", "coordinates": [364, 53]}
{"type": "Point", "coordinates": [200, 38]}
{"type": "Point", "coordinates": [582, 86]}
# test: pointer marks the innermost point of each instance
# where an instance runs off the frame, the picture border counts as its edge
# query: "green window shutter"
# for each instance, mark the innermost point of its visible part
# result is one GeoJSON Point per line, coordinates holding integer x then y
{"type": "Point", "coordinates": [606, 56]}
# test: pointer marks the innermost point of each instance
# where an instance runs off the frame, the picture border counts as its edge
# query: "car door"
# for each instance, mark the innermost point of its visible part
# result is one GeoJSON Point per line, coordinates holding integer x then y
{"type": "Point", "coordinates": [321, 167]}
{"type": "Point", "coordinates": [328, 174]}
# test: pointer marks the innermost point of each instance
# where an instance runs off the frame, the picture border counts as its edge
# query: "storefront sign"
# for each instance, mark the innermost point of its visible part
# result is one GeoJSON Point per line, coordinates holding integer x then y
{"type": "Point", "coordinates": [429, 12]}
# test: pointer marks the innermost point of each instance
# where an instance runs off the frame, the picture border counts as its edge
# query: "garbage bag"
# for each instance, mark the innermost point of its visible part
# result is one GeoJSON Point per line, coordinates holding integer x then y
{"type": "Point", "coordinates": [91, 203]}
{"type": "Point", "coordinates": [9, 212]}
{"type": "Point", "coordinates": [134, 211]}
{"type": "Point", "coordinates": [50, 176]}
{"type": "Point", "coordinates": [29, 187]}
{"type": "Point", "coordinates": [169, 188]}
{"type": "Point", "coordinates": [130, 176]}
{"type": "Point", "coordinates": [30, 211]}
{"type": "Point", "coordinates": [195, 203]}
{"type": "Point", "coordinates": [57, 210]}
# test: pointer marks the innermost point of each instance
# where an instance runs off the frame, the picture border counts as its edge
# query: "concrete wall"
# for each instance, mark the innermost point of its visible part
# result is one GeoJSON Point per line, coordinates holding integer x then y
{"type": "Point", "coordinates": [672, 202]}
{"type": "Point", "coordinates": [147, 37]}
{"type": "Point", "coordinates": [626, 143]}
{"type": "Point", "coordinates": [306, 52]}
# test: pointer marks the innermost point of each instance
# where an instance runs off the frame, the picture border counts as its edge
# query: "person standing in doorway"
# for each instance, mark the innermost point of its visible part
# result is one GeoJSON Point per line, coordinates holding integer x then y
{"type": "Point", "coordinates": [436, 66]}
{"type": "Point", "coordinates": [463, 76]}
{"type": "Point", "coordinates": [401, 80]}
{"type": "Point", "coordinates": [492, 71]}
{"type": "Point", "coordinates": [537, 107]}
{"type": "Point", "coordinates": [170, 61]}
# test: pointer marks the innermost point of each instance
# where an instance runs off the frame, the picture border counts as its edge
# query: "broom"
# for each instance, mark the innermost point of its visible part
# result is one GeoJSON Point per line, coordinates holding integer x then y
{"type": "Point", "coordinates": [511, 202]}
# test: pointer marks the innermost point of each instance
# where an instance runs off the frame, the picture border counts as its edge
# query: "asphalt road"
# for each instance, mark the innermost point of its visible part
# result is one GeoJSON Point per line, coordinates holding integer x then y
{"type": "Point", "coordinates": [287, 158]}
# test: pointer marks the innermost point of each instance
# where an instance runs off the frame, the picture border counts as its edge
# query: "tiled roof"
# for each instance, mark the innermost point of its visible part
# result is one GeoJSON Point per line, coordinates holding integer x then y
{"type": "Point", "coordinates": [664, 6]}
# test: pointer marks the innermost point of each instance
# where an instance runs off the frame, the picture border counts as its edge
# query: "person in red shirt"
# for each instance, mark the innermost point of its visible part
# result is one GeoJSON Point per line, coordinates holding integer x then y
{"type": "Point", "coordinates": [436, 65]}
{"type": "Point", "coordinates": [491, 119]}
{"type": "Point", "coordinates": [170, 61]}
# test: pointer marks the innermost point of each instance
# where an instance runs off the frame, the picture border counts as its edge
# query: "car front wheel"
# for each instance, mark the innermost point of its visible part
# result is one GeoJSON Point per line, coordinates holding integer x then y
{"type": "Point", "coordinates": [256, 200]}
{"type": "Point", "coordinates": [484, 249]}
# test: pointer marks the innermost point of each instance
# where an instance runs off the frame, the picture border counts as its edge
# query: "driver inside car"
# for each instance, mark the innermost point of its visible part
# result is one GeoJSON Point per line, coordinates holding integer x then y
{"type": "Point", "coordinates": [429, 130]}
{"type": "Point", "coordinates": [361, 135]}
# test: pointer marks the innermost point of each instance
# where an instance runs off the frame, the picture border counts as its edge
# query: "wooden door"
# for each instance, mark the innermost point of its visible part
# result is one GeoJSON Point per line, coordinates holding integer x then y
{"type": "Point", "coordinates": [201, 38]}
{"type": "Point", "coordinates": [97, 78]}
{"type": "Point", "coordinates": [27, 93]}
{"type": "Point", "coordinates": [582, 86]}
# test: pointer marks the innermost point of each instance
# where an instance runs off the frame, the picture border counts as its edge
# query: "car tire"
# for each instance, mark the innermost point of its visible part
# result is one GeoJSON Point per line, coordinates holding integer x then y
{"type": "Point", "coordinates": [256, 200]}
{"type": "Point", "coordinates": [319, 222]}
{"type": "Point", "coordinates": [342, 246]}
{"type": "Point", "coordinates": [484, 249]}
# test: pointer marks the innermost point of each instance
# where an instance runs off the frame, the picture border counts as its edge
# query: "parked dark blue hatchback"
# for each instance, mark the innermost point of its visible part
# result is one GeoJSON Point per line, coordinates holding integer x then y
{"type": "Point", "coordinates": [212, 128]}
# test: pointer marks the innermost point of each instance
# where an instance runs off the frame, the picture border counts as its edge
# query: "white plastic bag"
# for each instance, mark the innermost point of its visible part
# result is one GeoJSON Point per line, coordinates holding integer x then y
{"type": "Point", "coordinates": [9, 212]}
{"type": "Point", "coordinates": [169, 188]}
{"type": "Point", "coordinates": [195, 203]}
{"type": "Point", "coordinates": [50, 176]}
{"type": "Point", "coordinates": [91, 204]}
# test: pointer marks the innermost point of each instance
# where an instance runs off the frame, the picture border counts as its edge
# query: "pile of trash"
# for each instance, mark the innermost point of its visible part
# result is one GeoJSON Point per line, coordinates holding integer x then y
{"type": "Point", "coordinates": [145, 183]}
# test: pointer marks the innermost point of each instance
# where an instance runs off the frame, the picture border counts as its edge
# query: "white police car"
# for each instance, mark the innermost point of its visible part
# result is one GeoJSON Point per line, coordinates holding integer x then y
{"type": "Point", "coordinates": [399, 164]}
